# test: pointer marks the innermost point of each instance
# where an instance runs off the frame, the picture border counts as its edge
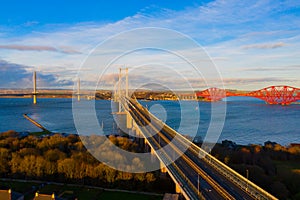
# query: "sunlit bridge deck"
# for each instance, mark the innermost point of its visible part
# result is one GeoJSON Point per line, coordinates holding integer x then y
{"type": "Point", "coordinates": [197, 174]}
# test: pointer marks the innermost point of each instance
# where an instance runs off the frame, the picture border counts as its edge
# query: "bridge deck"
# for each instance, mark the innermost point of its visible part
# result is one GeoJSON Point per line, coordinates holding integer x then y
{"type": "Point", "coordinates": [217, 181]}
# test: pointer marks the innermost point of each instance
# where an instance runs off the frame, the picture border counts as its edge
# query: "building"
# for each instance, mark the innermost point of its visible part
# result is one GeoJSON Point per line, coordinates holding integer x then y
{"type": "Point", "coordinates": [187, 96]}
{"type": "Point", "coordinates": [10, 195]}
{"type": "Point", "coordinates": [39, 196]}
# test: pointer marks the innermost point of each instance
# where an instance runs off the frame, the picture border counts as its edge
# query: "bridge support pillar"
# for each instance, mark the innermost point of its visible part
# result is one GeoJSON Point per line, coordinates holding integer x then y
{"type": "Point", "coordinates": [140, 139]}
{"type": "Point", "coordinates": [128, 120]}
{"type": "Point", "coordinates": [34, 87]}
{"type": "Point", "coordinates": [147, 146]}
{"type": "Point", "coordinates": [153, 156]}
{"type": "Point", "coordinates": [177, 188]}
{"type": "Point", "coordinates": [133, 131]}
{"type": "Point", "coordinates": [34, 99]}
{"type": "Point", "coordinates": [137, 134]}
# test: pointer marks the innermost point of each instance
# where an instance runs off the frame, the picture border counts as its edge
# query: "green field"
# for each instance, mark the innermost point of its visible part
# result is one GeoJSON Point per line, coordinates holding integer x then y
{"type": "Point", "coordinates": [107, 195]}
{"type": "Point", "coordinates": [70, 192]}
{"type": "Point", "coordinates": [20, 187]}
{"type": "Point", "coordinates": [86, 193]}
{"type": "Point", "coordinates": [40, 133]}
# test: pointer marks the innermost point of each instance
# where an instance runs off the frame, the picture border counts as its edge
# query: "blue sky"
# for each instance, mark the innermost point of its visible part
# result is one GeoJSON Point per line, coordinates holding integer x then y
{"type": "Point", "coordinates": [254, 44]}
{"type": "Point", "coordinates": [17, 13]}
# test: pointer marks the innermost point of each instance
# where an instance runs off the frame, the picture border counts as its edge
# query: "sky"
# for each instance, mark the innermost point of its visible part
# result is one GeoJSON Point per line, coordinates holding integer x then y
{"type": "Point", "coordinates": [250, 44]}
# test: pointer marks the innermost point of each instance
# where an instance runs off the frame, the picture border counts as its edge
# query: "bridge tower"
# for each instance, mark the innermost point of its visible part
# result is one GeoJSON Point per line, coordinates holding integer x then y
{"type": "Point", "coordinates": [123, 117]}
{"type": "Point", "coordinates": [126, 77]}
{"type": "Point", "coordinates": [34, 87]}
{"type": "Point", "coordinates": [119, 92]}
{"type": "Point", "coordinates": [78, 89]}
{"type": "Point", "coordinates": [119, 89]}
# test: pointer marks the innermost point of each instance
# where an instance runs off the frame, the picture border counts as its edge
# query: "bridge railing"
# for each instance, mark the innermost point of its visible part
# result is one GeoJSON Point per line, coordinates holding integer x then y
{"type": "Point", "coordinates": [237, 178]}
{"type": "Point", "coordinates": [175, 172]}
{"type": "Point", "coordinates": [226, 171]}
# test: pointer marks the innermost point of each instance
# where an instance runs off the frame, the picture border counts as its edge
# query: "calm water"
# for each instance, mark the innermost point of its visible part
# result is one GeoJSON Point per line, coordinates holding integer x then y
{"type": "Point", "coordinates": [247, 121]}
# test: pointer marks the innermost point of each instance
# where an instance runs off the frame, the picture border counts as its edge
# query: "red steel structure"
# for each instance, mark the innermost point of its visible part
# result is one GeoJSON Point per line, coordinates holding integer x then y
{"type": "Point", "coordinates": [283, 95]}
{"type": "Point", "coordinates": [214, 94]}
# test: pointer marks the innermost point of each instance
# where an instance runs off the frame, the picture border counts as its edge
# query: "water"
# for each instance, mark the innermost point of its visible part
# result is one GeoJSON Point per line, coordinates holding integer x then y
{"type": "Point", "coordinates": [247, 121]}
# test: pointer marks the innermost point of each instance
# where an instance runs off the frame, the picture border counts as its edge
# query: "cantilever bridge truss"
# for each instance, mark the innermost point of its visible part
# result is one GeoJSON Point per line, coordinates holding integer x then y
{"type": "Point", "coordinates": [283, 95]}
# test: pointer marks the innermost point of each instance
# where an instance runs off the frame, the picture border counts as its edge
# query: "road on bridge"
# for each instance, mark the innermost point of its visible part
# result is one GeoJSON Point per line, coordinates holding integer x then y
{"type": "Point", "coordinates": [191, 171]}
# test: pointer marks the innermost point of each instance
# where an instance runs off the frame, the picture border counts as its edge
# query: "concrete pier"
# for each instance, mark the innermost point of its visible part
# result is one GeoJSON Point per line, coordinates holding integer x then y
{"type": "Point", "coordinates": [35, 123]}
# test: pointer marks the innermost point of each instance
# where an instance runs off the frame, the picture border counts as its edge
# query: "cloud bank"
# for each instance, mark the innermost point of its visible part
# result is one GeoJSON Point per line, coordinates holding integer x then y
{"type": "Point", "coordinates": [251, 35]}
{"type": "Point", "coordinates": [14, 75]}
{"type": "Point", "coordinates": [265, 46]}
{"type": "Point", "coordinates": [67, 50]}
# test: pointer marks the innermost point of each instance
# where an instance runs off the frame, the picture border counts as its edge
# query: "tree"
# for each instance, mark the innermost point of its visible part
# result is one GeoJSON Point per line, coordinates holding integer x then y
{"type": "Point", "coordinates": [29, 151]}
{"type": "Point", "coordinates": [54, 155]}
{"type": "Point", "coordinates": [110, 174]}
{"type": "Point", "coordinates": [15, 163]}
{"type": "Point", "coordinates": [67, 167]}
{"type": "Point", "coordinates": [279, 190]}
{"type": "Point", "coordinates": [124, 176]}
{"type": "Point", "coordinates": [5, 156]}
{"type": "Point", "coordinates": [9, 133]}
{"type": "Point", "coordinates": [150, 177]}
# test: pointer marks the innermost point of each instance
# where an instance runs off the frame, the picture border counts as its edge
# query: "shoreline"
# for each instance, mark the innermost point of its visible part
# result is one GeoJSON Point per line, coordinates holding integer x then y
{"type": "Point", "coordinates": [88, 97]}
{"type": "Point", "coordinates": [228, 143]}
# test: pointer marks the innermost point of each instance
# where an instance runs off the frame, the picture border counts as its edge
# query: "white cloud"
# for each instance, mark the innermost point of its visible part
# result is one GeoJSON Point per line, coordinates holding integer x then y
{"type": "Point", "coordinates": [222, 27]}
{"type": "Point", "coordinates": [64, 49]}
{"type": "Point", "coordinates": [265, 46]}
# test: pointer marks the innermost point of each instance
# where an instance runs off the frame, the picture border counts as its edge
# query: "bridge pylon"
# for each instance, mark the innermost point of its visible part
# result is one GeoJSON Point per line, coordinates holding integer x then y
{"type": "Point", "coordinates": [119, 91]}
{"type": "Point", "coordinates": [34, 87]}
{"type": "Point", "coordinates": [78, 89]}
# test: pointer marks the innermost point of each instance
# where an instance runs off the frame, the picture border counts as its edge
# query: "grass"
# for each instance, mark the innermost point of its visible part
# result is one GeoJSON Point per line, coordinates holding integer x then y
{"type": "Point", "coordinates": [19, 186]}
{"type": "Point", "coordinates": [69, 192]}
{"type": "Point", "coordinates": [86, 193]}
{"type": "Point", "coordinates": [108, 195]}
{"type": "Point", "coordinates": [49, 189]}
{"type": "Point", "coordinates": [40, 133]}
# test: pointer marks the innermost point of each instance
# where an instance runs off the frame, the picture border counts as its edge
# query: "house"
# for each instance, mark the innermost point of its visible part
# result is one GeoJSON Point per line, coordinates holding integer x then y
{"type": "Point", "coordinates": [10, 195]}
{"type": "Point", "coordinates": [39, 196]}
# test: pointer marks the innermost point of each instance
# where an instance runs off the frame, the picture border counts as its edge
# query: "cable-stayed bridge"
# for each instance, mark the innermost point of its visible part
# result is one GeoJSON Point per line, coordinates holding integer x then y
{"type": "Point", "coordinates": [196, 173]}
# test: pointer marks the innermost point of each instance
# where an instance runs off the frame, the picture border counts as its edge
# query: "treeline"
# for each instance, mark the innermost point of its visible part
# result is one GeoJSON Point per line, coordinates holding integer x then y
{"type": "Point", "coordinates": [65, 159]}
{"type": "Point", "coordinates": [274, 167]}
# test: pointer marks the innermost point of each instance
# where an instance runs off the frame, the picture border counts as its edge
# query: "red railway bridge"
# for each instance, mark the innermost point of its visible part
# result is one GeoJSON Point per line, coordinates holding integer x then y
{"type": "Point", "coordinates": [282, 95]}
